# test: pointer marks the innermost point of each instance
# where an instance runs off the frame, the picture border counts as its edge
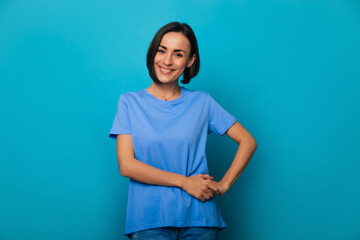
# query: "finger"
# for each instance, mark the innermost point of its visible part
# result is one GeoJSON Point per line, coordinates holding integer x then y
{"type": "Point", "coordinates": [211, 194]}
{"type": "Point", "coordinates": [213, 187]}
{"type": "Point", "coordinates": [211, 190]}
{"type": "Point", "coordinates": [206, 196]}
{"type": "Point", "coordinates": [217, 191]}
{"type": "Point", "coordinates": [206, 176]}
{"type": "Point", "coordinates": [201, 198]}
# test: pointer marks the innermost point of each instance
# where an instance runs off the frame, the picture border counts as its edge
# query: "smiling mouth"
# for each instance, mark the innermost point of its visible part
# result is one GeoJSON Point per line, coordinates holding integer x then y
{"type": "Point", "coordinates": [165, 70]}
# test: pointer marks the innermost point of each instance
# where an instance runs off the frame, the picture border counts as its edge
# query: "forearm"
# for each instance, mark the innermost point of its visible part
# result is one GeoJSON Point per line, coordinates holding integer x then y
{"type": "Point", "coordinates": [142, 172]}
{"type": "Point", "coordinates": [198, 186]}
{"type": "Point", "coordinates": [243, 155]}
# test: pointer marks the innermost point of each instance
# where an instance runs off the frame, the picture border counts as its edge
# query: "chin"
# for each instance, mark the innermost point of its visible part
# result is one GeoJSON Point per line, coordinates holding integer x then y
{"type": "Point", "coordinates": [166, 80]}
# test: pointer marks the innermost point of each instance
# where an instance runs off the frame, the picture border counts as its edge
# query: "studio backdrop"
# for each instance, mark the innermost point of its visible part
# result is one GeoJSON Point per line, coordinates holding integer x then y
{"type": "Point", "coordinates": [287, 70]}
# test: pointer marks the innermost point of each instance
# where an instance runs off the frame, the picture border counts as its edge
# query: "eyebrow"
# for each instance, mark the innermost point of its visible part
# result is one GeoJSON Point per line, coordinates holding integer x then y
{"type": "Point", "coordinates": [176, 50]}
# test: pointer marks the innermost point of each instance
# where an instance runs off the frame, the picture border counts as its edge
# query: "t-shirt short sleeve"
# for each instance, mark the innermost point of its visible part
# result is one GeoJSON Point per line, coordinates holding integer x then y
{"type": "Point", "coordinates": [121, 124]}
{"type": "Point", "coordinates": [219, 120]}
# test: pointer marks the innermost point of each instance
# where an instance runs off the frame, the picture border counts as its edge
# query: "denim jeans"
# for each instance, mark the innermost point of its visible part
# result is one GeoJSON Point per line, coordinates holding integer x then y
{"type": "Point", "coordinates": [175, 233]}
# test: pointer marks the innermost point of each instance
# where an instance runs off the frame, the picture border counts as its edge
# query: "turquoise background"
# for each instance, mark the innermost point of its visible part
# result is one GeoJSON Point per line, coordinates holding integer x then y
{"type": "Point", "coordinates": [287, 69]}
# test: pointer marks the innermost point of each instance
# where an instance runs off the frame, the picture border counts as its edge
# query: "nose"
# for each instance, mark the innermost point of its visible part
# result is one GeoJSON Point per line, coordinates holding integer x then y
{"type": "Point", "coordinates": [168, 59]}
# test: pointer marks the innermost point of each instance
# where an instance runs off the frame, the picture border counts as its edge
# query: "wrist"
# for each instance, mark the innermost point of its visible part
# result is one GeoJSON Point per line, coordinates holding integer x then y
{"type": "Point", "coordinates": [226, 185]}
{"type": "Point", "coordinates": [181, 181]}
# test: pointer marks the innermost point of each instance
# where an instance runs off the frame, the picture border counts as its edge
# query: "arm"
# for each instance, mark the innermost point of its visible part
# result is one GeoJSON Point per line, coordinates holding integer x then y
{"type": "Point", "coordinates": [247, 146]}
{"type": "Point", "coordinates": [197, 185]}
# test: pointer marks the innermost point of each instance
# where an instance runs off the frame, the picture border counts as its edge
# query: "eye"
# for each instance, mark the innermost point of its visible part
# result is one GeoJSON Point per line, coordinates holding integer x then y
{"type": "Point", "coordinates": [178, 55]}
{"type": "Point", "coordinates": [161, 51]}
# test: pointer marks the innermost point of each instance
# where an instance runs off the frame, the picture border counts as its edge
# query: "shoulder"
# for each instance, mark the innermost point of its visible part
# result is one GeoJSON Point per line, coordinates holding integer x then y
{"type": "Point", "coordinates": [203, 98]}
{"type": "Point", "coordinates": [131, 96]}
{"type": "Point", "coordinates": [197, 94]}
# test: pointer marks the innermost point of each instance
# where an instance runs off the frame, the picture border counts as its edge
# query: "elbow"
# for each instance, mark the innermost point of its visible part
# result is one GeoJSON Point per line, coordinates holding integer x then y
{"type": "Point", "coordinates": [254, 144]}
{"type": "Point", "coordinates": [250, 142]}
{"type": "Point", "coordinates": [124, 169]}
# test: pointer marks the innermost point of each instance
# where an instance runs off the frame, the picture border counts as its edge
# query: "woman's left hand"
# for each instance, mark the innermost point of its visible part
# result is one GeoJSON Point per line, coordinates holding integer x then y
{"type": "Point", "coordinates": [222, 187]}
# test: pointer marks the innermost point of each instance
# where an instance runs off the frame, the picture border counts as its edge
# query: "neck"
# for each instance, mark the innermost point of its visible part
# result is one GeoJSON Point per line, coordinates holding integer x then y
{"type": "Point", "coordinates": [165, 91]}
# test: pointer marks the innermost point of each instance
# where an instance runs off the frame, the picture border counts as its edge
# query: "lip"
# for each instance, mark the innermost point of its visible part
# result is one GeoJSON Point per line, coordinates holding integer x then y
{"type": "Point", "coordinates": [163, 72]}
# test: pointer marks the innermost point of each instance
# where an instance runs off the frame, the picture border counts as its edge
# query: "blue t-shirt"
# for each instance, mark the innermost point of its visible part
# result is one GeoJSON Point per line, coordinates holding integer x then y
{"type": "Point", "coordinates": [170, 135]}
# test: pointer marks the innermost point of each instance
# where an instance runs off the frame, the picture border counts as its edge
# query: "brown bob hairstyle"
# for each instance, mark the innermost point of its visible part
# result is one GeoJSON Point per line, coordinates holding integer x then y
{"type": "Point", "coordinates": [185, 29]}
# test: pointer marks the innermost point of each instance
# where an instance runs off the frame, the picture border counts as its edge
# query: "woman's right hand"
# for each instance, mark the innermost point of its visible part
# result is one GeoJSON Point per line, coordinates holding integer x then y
{"type": "Point", "coordinates": [200, 186]}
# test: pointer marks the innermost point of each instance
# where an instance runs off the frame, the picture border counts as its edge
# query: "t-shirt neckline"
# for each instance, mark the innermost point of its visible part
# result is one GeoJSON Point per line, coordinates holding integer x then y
{"type": "Point", "coordinates": [168, 101]}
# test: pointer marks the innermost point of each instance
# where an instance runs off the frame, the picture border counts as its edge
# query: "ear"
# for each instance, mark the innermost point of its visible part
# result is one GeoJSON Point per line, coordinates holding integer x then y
{"type": "Point", "coordinates": [191, 61]}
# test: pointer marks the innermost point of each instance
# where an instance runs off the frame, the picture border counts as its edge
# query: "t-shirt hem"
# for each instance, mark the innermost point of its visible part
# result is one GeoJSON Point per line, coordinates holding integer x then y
{"type": "Point", "coordinates": [227, 126]}
{"type": "Point", "coordinates": [114, 135]}
{"type": "Point", "coordinates": [158, 225]}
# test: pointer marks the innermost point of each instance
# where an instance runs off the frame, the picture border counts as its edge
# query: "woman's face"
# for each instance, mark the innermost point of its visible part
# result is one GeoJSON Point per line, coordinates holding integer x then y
{"type": "Point", "coordinates": [172, 57]}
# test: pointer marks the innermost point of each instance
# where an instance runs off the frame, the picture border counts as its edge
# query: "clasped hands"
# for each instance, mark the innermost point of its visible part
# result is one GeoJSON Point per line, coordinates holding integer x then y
{"type": "Point", "coordinates": [202, 187]}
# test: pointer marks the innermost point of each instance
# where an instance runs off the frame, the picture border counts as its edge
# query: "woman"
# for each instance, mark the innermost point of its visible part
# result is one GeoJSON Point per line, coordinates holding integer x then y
{"type": "Point", "coordinates": [161, 135]}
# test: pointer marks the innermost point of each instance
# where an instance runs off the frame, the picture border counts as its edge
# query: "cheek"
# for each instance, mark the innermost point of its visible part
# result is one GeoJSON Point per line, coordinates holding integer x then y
{"type": "Point", "coordinates": [181, 64]}
{"type": "Point", "coordinates": [156, 59]}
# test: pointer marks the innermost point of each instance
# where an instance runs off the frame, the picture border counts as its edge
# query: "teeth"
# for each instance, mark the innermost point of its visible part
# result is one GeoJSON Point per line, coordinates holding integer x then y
{"type": "Point", "coordinates": [165, 70]}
